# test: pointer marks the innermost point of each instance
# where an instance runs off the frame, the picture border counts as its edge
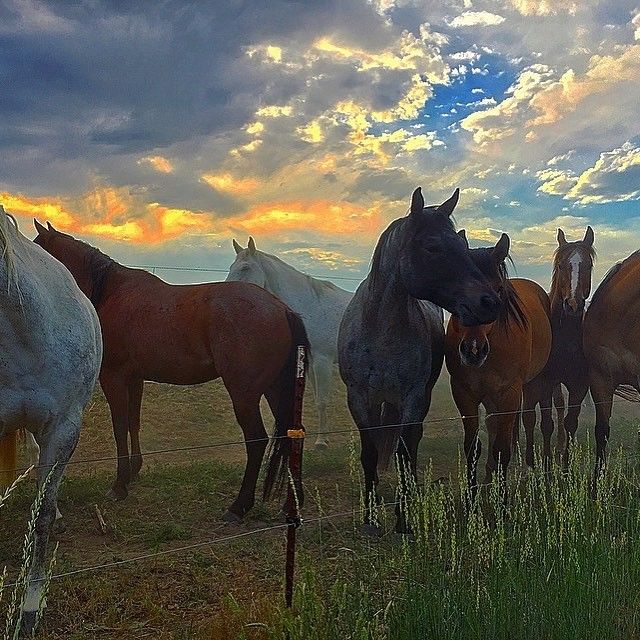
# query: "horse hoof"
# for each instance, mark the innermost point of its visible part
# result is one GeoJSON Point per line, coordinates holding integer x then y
{"type": "Point", "coordinates": [116, 494]}
{"type": "Point", "coordinates": [232, 518]}
{"type": "Point", "coordinates": [59, 526]}
{"type": "Point", "coordinates": [27, 624]}
{"type": "Point", "coordinates": [371, 530]}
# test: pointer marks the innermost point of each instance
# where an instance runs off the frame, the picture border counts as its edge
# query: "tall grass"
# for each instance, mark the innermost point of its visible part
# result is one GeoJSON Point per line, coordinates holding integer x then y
{"type": "Point", "coordinates": [556, 563]}
{"type": "Point", "coordinates": [17, 591]}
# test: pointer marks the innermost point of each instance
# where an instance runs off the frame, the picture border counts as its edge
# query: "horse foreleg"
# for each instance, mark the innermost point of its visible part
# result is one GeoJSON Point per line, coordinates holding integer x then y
{"type": "Point", "coordinates": [529, 401]}
{"type": "Point", "coordinates": [411, 416]}
{"type": "Point", "coordinates": [602, 388]}
{"type": "Point", "coordinates": [500, 427]}
{"type": "Point", "coordinates": [367, 417]}
{"type": "Point", "coordinates": [135, 402]}
{"type": "Point", "coordinates": [55, 452]}
{"type": "Point", "coordinates": [247, 411]}
{"type": "Point", "coordinates": [322, 368]}
{"type": "Point", "coordinates": [116, 391]}
{"type": "Point", "coordinates": [469, 408]}
{"type": "Point", "coordinates": [577, 394]}
{"type": "Point", "coordinates": [558, 401]}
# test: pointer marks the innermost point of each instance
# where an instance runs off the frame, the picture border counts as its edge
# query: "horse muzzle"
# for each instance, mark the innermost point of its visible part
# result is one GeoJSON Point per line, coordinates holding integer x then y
{"type": "Point", "coordinates": [473, 351]}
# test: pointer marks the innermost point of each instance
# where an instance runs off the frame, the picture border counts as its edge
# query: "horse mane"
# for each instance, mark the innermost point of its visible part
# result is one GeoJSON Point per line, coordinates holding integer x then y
{"type": "Point", "coordinates": [610, 274]}
{"type": "Point", "coordinates": [511, 308]}
{"type": "Point", "coordinates": [317, 285]}
{"type": "Point", "coordinates": [8, 252]}
{"type": "Point", "coordinates": [99, 266]}
{"type": "Point", "coordinates": [397, 225]}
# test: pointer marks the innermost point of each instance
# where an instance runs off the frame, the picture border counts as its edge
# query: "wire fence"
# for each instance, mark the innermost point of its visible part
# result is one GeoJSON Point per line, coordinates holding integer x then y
{"type": "Point", "coordinates": [245, 534]}
{"type": "Point", "coordinates": [216, 445]}
{"type": "Point", "coordinates": [153, 268]}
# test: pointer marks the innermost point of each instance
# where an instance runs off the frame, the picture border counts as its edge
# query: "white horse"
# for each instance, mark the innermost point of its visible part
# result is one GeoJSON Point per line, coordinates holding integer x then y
{"type": "Point", "coordinates": [51, 348]}
{"type": "Point", "coordinates": [319, 303]}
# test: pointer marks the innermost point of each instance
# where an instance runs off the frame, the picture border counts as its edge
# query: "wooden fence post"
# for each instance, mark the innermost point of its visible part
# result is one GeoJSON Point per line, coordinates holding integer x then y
{"type": "Point", "coordinates": [294, 485]}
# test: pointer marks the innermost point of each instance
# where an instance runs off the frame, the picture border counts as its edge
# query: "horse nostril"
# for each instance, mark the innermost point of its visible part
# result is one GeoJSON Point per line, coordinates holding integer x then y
{"type": "Point", "coordinates": [490, 302]}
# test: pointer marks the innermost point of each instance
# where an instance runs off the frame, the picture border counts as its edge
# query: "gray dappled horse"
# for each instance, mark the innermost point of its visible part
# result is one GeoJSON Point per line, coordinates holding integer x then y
{"type": "Point", "coordinates": [390, 344]}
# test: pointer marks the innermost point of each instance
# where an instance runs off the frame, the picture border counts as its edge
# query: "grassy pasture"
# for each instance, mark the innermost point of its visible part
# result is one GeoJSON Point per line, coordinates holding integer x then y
{"type": "Point", "coordinates": [234, 589]}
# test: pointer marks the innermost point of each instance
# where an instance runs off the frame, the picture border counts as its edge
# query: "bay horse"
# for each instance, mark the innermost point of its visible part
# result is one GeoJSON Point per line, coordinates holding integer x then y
{"type": "Point", "coordinates": [390, 344]}
{"type": "Point", "coordinates": [187, 334]}
{"type": "Point", "coordinates": [498, 364]}
{"type": "Point", "coordinates": [567, 365]}
{"type": "Point", "coordinates": [319, 303]}
{"type": "Point", "coordinates": [611, 339]}
{"type": "Point", "coordinates": [51, 351]}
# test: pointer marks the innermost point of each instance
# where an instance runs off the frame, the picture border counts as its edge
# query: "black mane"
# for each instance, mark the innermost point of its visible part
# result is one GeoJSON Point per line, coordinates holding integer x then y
{"type": "Point", "coordinates": [99, 266]}
{"type": "Point", "coordinates": [397, 225]}
{"type": "Point", "coordinates": [499, 274]}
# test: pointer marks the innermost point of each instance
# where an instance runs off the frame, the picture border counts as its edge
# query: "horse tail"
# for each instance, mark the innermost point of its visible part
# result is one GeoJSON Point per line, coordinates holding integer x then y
{"type": "Point", "coordinates": [283, 408]}
{"type": "Point", "coordinates": [8, 460]}
{"type": "Point", "coordinates": [627, 392]}
{"type": "Point", "coordinates": [387, 436]}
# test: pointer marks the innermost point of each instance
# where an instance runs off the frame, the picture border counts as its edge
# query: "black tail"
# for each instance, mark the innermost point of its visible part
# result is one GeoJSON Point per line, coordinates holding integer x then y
{"type": "Point", "coordinates": [284, 392]}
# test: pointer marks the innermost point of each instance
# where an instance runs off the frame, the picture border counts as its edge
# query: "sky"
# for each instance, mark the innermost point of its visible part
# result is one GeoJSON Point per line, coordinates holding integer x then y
{"type": "Point", "coordinates": [160, 131]}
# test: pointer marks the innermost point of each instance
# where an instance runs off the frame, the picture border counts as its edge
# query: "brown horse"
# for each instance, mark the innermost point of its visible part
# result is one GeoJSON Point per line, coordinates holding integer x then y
{"type": "Point", "coordinates": [570, 288]}
{"type": "Point", "coordinates": [611, 339]}
{"type": "Point", "coordinates": [187, 334]}
{"type": "Point", "coordinates": [493, 364]}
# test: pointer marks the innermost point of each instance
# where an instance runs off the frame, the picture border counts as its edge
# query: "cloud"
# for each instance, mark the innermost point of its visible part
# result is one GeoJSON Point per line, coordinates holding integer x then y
{"type": "Point", "coordinates": [544, 7]}
{"type": "Point", "coordinates": [159, 163]}
{"type": "Point", "coordinates": [615, 177]}
{"type": "Point", "coordinates": [556, 182]}
{"type": "Point", "coordinates": [557, 99]}
{"type": "Point", "coordinates": [475, 18]}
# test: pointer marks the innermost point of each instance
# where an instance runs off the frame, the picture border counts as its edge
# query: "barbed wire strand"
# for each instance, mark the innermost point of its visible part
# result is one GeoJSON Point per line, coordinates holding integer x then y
{"type": "Point", "coordinates": [197, 545]}
{"type": "Point", "coordinates": [152, 268]}
{"type": "Point", "coordinates": [215, 445]}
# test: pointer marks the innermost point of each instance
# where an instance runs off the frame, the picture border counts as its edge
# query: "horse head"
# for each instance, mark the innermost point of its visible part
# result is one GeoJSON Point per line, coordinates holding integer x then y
{"type": "Point", "coordinates": [474, 347]}
{"type": "Point", "coordinates": [88, 265]}
{"type": "Point", "coordinates": [572, 267]}
{"type": "Point", "coordinates": [247, 267]}
{"type": "Point", "coordinates": [435, 264]}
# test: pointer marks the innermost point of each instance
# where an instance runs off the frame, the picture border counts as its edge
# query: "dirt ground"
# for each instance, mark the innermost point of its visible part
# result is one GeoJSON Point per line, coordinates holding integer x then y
{"type": "Point", "coordinates": [179, 501]}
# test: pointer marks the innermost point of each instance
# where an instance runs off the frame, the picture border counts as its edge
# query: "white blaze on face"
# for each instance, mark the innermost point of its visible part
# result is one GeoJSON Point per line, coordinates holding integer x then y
{"type": "Point", "coordinates": [575, 261]}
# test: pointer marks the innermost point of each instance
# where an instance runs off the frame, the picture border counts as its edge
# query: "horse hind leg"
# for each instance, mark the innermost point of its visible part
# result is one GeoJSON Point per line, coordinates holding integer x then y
{"type": "Point", "coordinates": [136, 389]}
{"type": "Point", "coordinates": [116, 391]}
{"type": "Point", "coordinates": [246, 406]}
{"type": "Point", "coordinates": [577, 394]}
{"type": "Point", "coordinates": [55, 452]}
{"type": "Point", "coordinates": [529, 402]}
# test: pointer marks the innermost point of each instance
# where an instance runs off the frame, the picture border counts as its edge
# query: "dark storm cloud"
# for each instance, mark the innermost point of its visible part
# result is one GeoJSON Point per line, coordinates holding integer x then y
{"type": "Point", "coordinates": [86, 81]}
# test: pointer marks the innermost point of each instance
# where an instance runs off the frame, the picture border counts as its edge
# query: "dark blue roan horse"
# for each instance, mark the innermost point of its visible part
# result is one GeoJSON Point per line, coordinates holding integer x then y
{"type": "Point", "coordinates": [391, 340]}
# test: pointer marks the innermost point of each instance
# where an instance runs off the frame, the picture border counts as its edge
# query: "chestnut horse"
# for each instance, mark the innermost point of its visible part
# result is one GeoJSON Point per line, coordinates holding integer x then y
{"type": "Point", "coordinates": [498, 364]}
{"type": "Point", "coordinates": [570, 288]}
{"type": "Point", "coordinates": [611, 339]}
{"type": "Point", "coordinates": [187, 334]}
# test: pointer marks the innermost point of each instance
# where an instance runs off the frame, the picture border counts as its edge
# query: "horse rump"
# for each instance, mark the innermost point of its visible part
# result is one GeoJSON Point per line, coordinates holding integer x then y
{"type": "Point", "coordinates": [283, 407]}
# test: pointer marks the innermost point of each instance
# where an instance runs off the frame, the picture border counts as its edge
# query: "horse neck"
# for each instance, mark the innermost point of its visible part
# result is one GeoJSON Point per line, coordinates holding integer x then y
{"type": "Point", "coordinates": [283, 280]}
{"type": "Point", "coordinates": [386, 297]}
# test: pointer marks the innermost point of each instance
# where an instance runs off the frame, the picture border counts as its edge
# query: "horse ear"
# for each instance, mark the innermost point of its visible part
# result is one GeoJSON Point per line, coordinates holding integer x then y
{"type": "Point", "coordinates": [501, 250]}
{"type": "Point", "coordinates": [251, 246]}
{"type": "Point", "coordinates": [449, 205]}
{"type": "Point", "coordinates": [588, 237]}
{"type": "Point", "coordinates": [561, 239]}
{"type": "Point", "coordinates": [39, 227]}
{"type": "Point", "coordinates": [50, 226]}
{"type": "Point", "coordinates": [236, 246]}
{"type": "Point", "coordinates": [463, 234]}
{"type": "Point", "coordinates": [417, 202]}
